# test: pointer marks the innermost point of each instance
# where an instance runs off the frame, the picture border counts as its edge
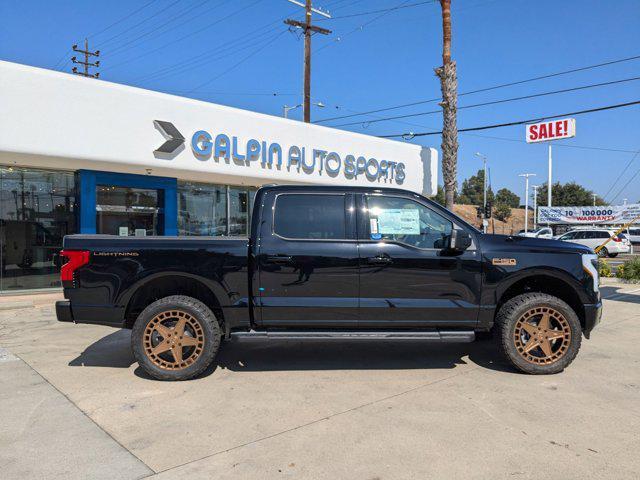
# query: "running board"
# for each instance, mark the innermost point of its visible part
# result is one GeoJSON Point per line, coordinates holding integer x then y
{"type": "Point", "coordinates": [449, 336]}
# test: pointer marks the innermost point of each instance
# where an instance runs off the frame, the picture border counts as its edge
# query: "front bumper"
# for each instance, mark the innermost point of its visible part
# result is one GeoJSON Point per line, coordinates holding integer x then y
{"type": "Point", "coordinates": [592, 317]}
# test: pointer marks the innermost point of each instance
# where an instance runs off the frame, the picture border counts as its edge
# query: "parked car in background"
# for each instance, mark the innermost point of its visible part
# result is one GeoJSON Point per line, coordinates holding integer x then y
{"type": "Point", "coordinates": [595, 237]}
{"type": "Point", "coordinates": [634, 235]}
{"type": "Point", "coordinates": [541, 232]}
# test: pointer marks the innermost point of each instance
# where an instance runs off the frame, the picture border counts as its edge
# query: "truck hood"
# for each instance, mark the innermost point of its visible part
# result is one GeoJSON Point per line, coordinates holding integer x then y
{"type": "Point", "coordinates": [490, 242]}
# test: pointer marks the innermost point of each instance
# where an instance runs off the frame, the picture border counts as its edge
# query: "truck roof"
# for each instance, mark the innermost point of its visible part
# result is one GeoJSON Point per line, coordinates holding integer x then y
{"type": "Point", "coordinates": [337, 188]}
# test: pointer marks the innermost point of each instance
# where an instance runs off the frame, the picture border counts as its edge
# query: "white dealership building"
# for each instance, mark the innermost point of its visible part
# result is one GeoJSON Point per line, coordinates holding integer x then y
{"type": "Point", "coordinates": [79, 155]}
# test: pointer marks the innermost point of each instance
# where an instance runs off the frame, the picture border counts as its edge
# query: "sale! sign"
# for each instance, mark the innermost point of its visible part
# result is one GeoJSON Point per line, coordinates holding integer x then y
{"type": "Point", "coordinates": [552, 130]}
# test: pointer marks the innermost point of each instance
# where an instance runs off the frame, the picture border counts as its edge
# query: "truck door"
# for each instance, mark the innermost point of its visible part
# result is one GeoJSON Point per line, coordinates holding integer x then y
{"type": "Point", "coordinates": [307, 260]}
{"type": "Point", "coordinates": [406, 278]}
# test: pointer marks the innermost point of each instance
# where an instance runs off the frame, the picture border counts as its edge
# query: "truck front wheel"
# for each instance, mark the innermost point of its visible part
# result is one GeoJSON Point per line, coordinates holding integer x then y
{"type": "Point", "coordinates": [175, 338]}
{"type": "Point", "coordinates": [538, 333]}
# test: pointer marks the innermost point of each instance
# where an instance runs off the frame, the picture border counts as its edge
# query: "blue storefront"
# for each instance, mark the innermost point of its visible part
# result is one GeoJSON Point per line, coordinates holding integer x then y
{"type": "Point", "coordinates": [39, 206]}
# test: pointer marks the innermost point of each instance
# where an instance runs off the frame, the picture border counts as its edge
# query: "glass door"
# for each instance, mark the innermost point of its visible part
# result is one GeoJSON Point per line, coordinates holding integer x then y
{"type": "Point", "coordinates": [128, 211]}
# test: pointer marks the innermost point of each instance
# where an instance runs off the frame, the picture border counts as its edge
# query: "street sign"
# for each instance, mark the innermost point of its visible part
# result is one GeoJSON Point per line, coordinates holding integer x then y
{"type": "Point", "coordinates": [551, 130]}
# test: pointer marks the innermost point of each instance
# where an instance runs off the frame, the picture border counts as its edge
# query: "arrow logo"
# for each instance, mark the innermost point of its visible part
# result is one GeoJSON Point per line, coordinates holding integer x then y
{"type": "Point", "coordinates": [174, 138]}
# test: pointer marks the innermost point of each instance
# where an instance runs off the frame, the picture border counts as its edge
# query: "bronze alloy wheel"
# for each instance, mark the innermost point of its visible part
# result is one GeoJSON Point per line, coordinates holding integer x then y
{"type": "Point", "coordinates": [542, 336]}
{"type": "Point", "coordinates": [173, 340]}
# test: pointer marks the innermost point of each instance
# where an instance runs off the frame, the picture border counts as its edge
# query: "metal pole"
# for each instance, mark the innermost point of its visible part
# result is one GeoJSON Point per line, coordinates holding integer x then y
{"type": "Point", "coordinates": [285, 111]}
{"type": "Point", "coordinates": [484, 198]}
{"type": "Point", "coordinates": [526, 204]}
{"type": "Point", "coordinates": [549, 184]}
{"type": "Point", "coordinates": [535, 206]}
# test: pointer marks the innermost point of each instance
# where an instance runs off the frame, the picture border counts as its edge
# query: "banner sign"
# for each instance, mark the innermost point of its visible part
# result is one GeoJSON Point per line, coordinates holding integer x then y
{"type": "Point", "coordinates": [553, 130]}
{"type": "Point", "coordinates": [609, 214]}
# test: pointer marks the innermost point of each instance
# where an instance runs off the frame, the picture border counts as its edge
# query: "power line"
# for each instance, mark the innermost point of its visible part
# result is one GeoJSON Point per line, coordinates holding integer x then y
{"type": "Point", "coordinates": [620, 176]}
{"type": "Point", "coordinates": [234, 66]}
{"type": "Point", "coordinates": [495, 102]}
{"type": "Point", "coordinates": [410, 135]}
{"type": "Point", "coordinates": [555, 144]}
{"type": "Point", "coordinates": [373, 12]}
{"type": "Point", "coordinates": [359, 28]}
{"type": "Point", "coordinates": [232, 47]}
{"type": "Point", "coordinates": [121, 19]}
{"type": "Point", "coordinates": [155, 28]}
{"type": "Point", "coordinates": [144, 20]}
{"type": "Point", "coordinates": [195, 58]}
{"type": "Point", "coordinates": [625, 185]}
{"type": "Point", "coordinates": [66, 55]}
{"type": "Point", "coordinates": [486, 89]}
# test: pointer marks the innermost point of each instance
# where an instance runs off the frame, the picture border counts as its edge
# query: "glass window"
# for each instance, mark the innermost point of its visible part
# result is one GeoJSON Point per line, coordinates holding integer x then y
{"type": "Point", "coordinates": [240, 204]}
{"type": "Point", "coordinates": [202, 209]}
{"type": "Point", "coordinates": [315, 217]}
{"type": "Point", "coordinates": [128, 211]}
{"type": "Point", "coordinates": [602, 235]}
{"type": "Point", "coordinates": [406, 221]}
{"type": "Point", "coordinates": [37, 209]}
{"type": "Point", "coordinates": [580, 235]}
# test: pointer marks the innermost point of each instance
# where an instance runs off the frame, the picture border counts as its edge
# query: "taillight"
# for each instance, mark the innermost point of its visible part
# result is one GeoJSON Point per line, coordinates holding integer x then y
{"type": "Point", "coordinates": [616, 239]}
{"type": "Point", "coordinates": [76, 259]}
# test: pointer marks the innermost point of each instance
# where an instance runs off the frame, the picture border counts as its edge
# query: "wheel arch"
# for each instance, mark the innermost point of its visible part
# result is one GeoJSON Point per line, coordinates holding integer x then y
{"type": "Point", "coordinates": [163, 285]}
{"type": "Point", "coordinates": [556, 284]}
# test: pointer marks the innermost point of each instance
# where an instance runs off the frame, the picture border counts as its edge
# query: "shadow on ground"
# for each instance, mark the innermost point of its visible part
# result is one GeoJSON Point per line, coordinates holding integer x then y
{"type": "Point", "coordinates": [618, 293]}
{"type": "Point", "coordinates": [114, 351]}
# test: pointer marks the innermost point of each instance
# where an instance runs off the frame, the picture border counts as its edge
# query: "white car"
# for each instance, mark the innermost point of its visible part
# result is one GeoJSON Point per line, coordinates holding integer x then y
{"type": "Point", "coordinates": [634, 234]}
{"type": "Point", "coordinates": [542, 232]}
{"type": "Point", "coordinates": [595, 237]}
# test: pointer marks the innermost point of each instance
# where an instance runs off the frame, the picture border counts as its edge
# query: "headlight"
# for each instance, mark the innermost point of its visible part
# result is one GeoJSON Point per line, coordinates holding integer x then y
{"type": "Point", "coordinates": [590, 265]}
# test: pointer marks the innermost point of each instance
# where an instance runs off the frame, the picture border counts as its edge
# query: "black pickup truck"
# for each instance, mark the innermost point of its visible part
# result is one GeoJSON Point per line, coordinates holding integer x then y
{"type": "Point", "coordinates": [334, 263]}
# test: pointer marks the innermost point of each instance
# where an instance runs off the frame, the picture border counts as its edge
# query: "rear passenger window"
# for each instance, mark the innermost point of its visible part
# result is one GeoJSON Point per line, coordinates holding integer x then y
{"type": "Point", "coordinates": [603, 235]}
{"type": "Point", "coordinates": [310, 217]}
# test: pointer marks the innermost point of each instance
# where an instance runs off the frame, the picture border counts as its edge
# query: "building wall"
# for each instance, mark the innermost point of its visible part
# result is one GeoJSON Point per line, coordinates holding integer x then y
{"type": "Point", "coordinates": [51, 119]}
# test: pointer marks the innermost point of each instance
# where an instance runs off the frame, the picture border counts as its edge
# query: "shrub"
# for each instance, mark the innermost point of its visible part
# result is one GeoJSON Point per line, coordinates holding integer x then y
{"type": "Point", "coordinates": [630, 270]}
{"type": "Point", "coordinates": [604, 269]}
{"type": "Point", "coordinates": [502, 212]}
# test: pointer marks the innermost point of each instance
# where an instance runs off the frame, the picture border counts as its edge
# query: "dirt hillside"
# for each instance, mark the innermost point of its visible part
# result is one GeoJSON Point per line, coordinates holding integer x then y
{"type": "Point", "coordinates": [513, 224]}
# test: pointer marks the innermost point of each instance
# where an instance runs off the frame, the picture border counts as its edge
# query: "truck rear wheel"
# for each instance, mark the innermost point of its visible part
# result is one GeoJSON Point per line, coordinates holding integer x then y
{"type": "Point", "coordinates": [538, 333]}
{"type": "Point", "coordinates": [175, 338]}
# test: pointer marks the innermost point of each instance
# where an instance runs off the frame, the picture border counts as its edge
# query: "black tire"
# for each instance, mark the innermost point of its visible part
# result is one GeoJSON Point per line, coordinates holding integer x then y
{"type": "Point", "coordinates": [603, 252]}
{"type": "Point", "coordinates": [200, 327]}
{"type": "Point", "coordinates": [511, 336]}
{"type": "Point", "coordinates": [613, 255]}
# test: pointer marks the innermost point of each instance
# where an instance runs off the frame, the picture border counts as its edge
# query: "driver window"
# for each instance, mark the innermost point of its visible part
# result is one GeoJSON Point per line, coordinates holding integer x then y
{"type": "Point", "coordinates": [406, 221]}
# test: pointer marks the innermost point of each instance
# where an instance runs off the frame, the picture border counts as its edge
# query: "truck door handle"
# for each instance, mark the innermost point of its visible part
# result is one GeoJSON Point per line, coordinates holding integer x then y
{"type": "Point", "coordinates": [281, 259]}
{"type": "Point", "coordinates": [380, 260]}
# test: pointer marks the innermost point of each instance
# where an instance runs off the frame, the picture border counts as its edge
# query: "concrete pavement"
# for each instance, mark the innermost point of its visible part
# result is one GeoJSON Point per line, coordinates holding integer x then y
{"type": "Point", "coordinates": [317, 410]}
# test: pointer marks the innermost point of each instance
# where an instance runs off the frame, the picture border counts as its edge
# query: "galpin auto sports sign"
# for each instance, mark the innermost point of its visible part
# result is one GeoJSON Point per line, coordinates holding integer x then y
{"type": "Point", "coordinates": [608, 214]}
{"type": "Point", "coordinates": [552, 130]}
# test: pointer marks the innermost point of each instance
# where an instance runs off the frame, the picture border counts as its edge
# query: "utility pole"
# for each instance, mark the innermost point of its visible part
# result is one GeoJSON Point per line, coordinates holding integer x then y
{"type": "Point", "coordinates": [484, 191]}
{"type": "Point", "coordinates": [308, 28]}
{"type": "Point", "coordinates": [449, 104]}
{"type": "Point", "coordinates": [595, 195]}
{"type": "Point", "coordinates": [535, 205]}
{"type": "Point", "coordinates": [526, 199]}
{"type": "Point", "coordinates": [87, 54]}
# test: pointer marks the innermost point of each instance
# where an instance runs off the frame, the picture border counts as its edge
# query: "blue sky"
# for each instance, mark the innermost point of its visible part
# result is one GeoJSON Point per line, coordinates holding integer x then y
{"type": "Point", "coordinates": [238, 52]}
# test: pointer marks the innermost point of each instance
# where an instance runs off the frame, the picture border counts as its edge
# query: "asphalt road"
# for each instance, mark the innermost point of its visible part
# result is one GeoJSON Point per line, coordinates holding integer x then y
{"type": "Point", "coordinates": [75, 405]}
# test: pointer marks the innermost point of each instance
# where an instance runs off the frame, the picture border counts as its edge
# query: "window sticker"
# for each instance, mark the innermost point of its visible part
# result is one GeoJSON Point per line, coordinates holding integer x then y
{"type": "Point", "coordinates": [399, 221]}
{"type": "Point", "coordinates": [374, 226]}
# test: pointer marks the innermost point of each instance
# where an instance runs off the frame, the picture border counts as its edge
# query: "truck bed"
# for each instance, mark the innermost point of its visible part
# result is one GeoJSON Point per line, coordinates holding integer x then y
{"type": "Point", "coordinates": [122, 267]}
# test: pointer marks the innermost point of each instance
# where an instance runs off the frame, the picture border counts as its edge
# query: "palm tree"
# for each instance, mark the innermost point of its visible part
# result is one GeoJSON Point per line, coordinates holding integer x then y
{"type": "Point", "coordinates": [449, 87]}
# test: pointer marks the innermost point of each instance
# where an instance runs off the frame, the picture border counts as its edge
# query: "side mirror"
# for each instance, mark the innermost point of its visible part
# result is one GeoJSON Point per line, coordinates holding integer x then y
{"type": "Point", "coordinates": [459, 240]}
